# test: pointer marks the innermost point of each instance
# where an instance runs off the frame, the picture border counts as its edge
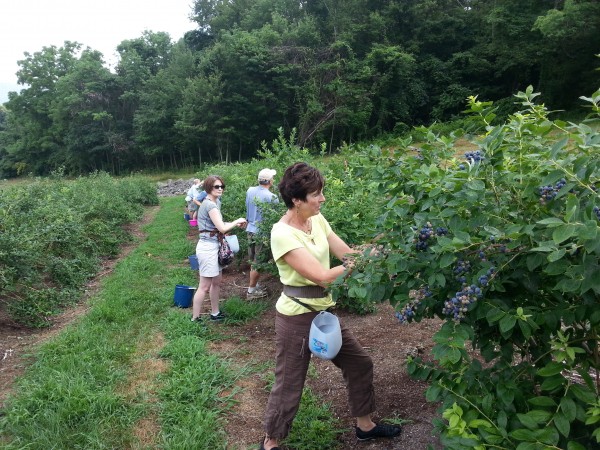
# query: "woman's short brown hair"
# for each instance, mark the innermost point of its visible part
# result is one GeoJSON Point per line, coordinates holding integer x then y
{"type": "Point", "coordinates": [210, 181]}
{"type": "Point", "coordinates": [298, 181]}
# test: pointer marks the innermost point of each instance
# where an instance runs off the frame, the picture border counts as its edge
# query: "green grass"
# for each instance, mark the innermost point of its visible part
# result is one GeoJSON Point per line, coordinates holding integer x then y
{"type": "Point", "coordinates": [134, 357]}
{"type": "Point", "coordinates": [78, 394]}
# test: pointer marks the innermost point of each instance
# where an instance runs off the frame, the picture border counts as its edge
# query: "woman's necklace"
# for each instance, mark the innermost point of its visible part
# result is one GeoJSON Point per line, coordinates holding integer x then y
{"type": "Point", "coordinates": [306, 228]}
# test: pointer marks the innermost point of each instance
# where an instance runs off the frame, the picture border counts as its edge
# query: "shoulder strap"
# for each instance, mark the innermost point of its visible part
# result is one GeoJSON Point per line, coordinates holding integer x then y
{"type": "Point", "coordinates": [303, 304]}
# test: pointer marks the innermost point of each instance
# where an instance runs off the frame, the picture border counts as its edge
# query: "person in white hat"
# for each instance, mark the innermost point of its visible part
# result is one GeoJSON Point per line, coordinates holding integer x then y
{"type": "Point", "coordinates": [254, 197]}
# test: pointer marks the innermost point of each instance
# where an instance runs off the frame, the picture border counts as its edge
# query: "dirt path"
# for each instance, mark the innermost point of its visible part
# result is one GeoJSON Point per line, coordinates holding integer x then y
{"type": "Point", "coordinates": [397, 395]}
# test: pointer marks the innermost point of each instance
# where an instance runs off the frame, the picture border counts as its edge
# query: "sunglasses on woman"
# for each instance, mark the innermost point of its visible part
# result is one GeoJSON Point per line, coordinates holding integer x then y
{"type": "Point", "coordinates": [219, 186]}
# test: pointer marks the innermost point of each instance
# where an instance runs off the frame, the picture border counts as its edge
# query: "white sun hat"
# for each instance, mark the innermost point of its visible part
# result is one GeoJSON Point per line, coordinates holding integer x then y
{"type": "Point", "coordinates": [266, 174]}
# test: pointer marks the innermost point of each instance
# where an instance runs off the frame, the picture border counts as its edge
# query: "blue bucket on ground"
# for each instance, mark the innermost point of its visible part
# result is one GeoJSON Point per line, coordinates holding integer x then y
{"type": "Point", "coordinates": [194, 262]}
{"type": "Point", "coordinates": [183, 295]}
{"type": "Point", "coordinates": [186, 216]}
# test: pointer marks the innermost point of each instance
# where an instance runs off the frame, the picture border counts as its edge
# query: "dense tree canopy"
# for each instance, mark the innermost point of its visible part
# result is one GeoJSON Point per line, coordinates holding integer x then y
{"type": "Point", "coordinates": [336, 71]}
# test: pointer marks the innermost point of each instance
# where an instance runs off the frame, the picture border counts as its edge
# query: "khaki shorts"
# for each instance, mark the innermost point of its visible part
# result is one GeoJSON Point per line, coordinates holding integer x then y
{"type": "Point", "coordinates": [208, 258]}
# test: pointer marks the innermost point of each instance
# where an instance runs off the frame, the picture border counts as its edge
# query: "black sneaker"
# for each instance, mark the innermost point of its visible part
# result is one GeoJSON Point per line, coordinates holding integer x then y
{"type": "Point", "coordinates": [380, 431]}
{"type": "Point", "coordinates": [218, 317]}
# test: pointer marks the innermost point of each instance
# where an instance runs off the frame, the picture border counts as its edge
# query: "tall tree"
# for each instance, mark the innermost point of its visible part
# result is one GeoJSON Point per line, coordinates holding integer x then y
{"type": "Point", "coordinates": [158, 141]}
{"type": "Point", "coordinates": [31, 109]}
{"type": "Point", "coordinates": [571, 43]}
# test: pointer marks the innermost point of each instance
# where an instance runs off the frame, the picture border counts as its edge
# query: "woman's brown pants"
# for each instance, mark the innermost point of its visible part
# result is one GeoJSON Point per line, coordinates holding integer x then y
{"type": "Point", "coordinates": [291, 364]}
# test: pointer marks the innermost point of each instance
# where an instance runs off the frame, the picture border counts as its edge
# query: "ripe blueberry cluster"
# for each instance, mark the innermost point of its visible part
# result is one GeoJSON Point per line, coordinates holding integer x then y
{"type": "Point", "coordinates": [408, 311]}
{"type": "Point", "coordinates": [441, 231]}
{"type": "Point", "coordinates": [425, 233]}
{"type": "Point", "coordinates": [462, 267]}
{"type": "Point", "coordinates": [456, 307]}
{"type": "Point", "coordinates": [474, 157]}
{"type": "Point", "coordinates": [597, 212]}
{"type": "Point", "coordinates": [548, 192]}
{"type": "Point", "coordinates": [485, 279]}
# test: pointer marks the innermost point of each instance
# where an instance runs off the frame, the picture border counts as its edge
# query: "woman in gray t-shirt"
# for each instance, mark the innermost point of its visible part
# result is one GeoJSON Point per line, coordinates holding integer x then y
{"type": "Point", "coordinates": [210, 223]}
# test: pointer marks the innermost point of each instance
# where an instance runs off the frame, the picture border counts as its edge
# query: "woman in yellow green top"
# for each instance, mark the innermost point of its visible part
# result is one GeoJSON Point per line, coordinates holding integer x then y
{"type": "Point", "coordinates": [301, 243]}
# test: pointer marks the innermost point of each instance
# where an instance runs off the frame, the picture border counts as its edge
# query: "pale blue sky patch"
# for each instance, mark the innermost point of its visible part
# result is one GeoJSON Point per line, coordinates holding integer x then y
{"type": "Point", "coordinates": [30, 25]}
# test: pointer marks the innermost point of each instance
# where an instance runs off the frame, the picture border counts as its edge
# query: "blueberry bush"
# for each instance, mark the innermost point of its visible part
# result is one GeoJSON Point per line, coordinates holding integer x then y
{"type": "Point", "coordinates": [54, 233]}
{"type": "Point", "coordinates": [503, 243]}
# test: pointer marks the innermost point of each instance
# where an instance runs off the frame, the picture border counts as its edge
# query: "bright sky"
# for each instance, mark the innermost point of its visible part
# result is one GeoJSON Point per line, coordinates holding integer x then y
{"type": "Point", "coordinates": [29, 25]}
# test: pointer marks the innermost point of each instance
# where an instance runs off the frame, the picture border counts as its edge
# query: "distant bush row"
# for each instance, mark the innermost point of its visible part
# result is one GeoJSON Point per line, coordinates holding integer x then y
{"type": "Point", "coordinates": [54, 234]}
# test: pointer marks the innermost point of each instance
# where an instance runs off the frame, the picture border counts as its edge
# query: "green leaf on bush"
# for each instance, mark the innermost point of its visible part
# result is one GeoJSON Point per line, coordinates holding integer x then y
{"type": "Point", "coordinates": [556, 255]}
{"type": "Point", "coordinates": [572, 205]}
{"type": "Point", "coordinates": [542, 401]}
{"type": "Point", "coordinates": [505, 394]}
{"type": "Point", "coordinates": [583, 394]}
{"type": "Point", "coordinates": [494, 315]}
{"type": "Point", "coordinates": [555, 221]}
{"type": "Point", "coordinates": [564, 232]}
{"type": "Point", "coordinates": [556, 267]}
{"type": "Point", "coordinates": [562, 424]}
{"type": "Point", "coordinates": [462, 236]}
{"type": "Point", "coordinates": [589, 231]}
{"type": "Point", "coordinates": [534, 417]}
{"type": "Point", "coordinates": [591, 281]}
{"type": "Point", "coordinates": [502, 419]}
{"type": "Point", "coordinates": [476, 423]}
{"type": "Point", "coordinates": [475, 185]}
{"type": "Point", "coordinates": [568, 407]}
{"type": "Point", "coordinates": [507, 323]}
{"type": "Point", "coordinates": [544, 248]}
{"type": "Point", "coordinates": [527, 446]}
{"type": "Point", "coordinates": [523, 434]}
{"type": "Point", "coordinates": [568, 285]}
{"type": "Point", "coordinates": [534, 261]}
{"type": "Point", "coordinates": [447, 259]}
{"type": "Point", "coordinates": [551, 369]}
{"type": "Point", "coordinates": [525, 329]}
{"type": "Point", "coordinates": [552, 383]}
{"type": "Point", "coordinates": [527, 421]}
{"type": "Point", "coordinates": [548, 435]}
{"type": "Point", "coordinates": [572, 445]}
{"type": "Point", "coordinates": [432, 393]}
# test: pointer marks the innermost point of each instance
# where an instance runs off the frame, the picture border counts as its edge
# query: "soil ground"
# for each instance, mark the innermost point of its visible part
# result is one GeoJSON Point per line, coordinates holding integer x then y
{"type": "Point", "coordinates": [397, 395]}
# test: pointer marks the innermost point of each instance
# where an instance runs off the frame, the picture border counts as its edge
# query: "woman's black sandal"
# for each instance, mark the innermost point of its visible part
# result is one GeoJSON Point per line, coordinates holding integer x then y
{"type": "Point", "coordinates": [380, 431]}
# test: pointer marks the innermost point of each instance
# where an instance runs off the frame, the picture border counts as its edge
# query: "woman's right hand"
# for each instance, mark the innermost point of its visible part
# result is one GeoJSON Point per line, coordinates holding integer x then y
{"type": "Point", "coordinates": [241, 222]}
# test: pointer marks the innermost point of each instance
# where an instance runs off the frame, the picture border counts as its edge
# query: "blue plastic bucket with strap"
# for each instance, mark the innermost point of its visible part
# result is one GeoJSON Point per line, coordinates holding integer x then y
{"type": "Point", "coordinates": [183, 295]}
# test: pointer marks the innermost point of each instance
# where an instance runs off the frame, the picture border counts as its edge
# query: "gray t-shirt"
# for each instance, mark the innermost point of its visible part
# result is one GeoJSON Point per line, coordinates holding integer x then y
{"type": "Point", "coordinates": [204, 220]}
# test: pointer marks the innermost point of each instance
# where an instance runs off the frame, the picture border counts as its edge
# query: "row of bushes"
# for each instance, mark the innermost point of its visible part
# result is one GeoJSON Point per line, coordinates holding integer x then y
{"type": "Point", "coordinates": [54, 233]}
